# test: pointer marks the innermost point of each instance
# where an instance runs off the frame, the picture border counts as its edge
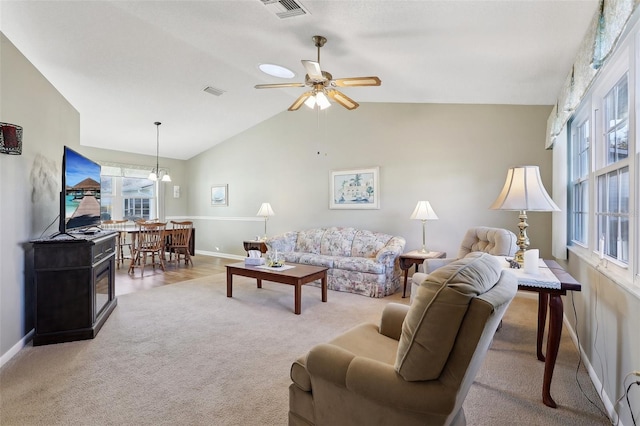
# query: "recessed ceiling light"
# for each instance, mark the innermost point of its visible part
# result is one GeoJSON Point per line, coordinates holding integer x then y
{"type": "Point", "coordinates": [276, 70]}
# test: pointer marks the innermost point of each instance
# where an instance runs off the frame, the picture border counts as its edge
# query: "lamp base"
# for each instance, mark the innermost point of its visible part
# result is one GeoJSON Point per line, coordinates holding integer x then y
{"type": "Point", "coordinates": [424, 238]}
{"type": "Point", "coordinates": [523, 239]}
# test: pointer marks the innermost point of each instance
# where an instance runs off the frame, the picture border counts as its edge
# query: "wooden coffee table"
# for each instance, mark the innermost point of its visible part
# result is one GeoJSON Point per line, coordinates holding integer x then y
{"type": "Point", "coordinates": [297, 276]}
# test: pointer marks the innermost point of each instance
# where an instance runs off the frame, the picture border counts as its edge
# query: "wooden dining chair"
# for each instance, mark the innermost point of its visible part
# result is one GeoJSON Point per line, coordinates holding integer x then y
{"type": "Point", "coordinates": [178, 241]}
{"type": "Point", "coordinates": [122, 242]}
{"type": "Point", "coordinates": [121, 238]}
{"type": "Point", "coordinates": [149, 241]}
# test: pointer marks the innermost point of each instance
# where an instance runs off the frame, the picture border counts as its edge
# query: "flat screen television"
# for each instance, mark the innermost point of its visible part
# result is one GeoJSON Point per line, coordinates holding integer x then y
{"type": "Point", "coordinates": [80, 196]}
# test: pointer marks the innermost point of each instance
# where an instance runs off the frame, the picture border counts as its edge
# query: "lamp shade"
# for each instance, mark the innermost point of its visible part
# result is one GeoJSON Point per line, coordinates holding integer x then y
{"type": "Point", "coordinates": [523, 190]}
{"type": "Point", "coordinates": [265, 210]}
{"type": "Point", "coordinates": [424, 211]}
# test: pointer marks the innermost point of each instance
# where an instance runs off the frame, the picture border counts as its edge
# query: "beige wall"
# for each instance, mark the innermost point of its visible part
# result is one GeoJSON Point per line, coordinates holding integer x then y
{"type": "Point", "coordinates": [455, 156]}
{"type": "Point", "coordinates": [607, 325]}
{"type": "Point", "coordinates": [29, 183]}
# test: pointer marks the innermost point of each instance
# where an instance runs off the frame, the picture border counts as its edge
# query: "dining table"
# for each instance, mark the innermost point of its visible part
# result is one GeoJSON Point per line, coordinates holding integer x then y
{"type": "Point", "coordinates": [133, 233]}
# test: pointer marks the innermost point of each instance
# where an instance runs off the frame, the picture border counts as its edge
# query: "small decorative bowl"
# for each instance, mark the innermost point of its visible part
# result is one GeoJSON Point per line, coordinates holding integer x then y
{"type": "Point", "coordinates": [275, 263]}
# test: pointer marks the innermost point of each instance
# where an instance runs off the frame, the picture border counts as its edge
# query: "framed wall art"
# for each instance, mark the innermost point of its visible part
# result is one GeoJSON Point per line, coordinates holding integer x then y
{"type": "Point", "coordinates": [10, 139]}
{"type": "Point", "coordinates": [355, 189]}
{"type": "Point", "coordinates": [220, 195]}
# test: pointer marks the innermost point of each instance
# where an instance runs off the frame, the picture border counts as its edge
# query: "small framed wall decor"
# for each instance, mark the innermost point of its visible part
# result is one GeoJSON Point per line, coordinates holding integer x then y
{"type": "Point", "coordinates": [355, 189]}
{"type": "Point", "coordinates": [220, 195]}
{"type": "Point", "coordinates": [10, 139]}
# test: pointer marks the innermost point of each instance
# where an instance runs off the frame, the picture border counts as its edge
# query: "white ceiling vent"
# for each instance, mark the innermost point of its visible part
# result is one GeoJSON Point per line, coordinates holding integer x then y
{"type": "Point", "coordinates": [285, 8]}
{"type": "Point", "coordinates": [213, 90]}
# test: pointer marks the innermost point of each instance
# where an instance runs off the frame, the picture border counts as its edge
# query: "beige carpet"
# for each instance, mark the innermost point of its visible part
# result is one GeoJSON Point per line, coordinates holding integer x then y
{"type": "Point", "coordinates": [185, 354]}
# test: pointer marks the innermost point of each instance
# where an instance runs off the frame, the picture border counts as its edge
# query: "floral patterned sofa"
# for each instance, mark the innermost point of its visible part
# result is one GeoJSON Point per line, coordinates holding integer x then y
{"type": "Point", "coordinates": [359, 261]}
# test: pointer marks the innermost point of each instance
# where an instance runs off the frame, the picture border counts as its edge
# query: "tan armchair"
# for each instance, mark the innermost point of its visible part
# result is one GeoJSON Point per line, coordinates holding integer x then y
{"type": "Point", "coordinates": [494, 241]}
{"type": "Point", "coordinates": [418, 365]}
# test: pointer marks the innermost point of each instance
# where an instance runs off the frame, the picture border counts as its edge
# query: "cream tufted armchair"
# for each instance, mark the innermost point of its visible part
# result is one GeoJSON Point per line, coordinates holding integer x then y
{"type": "Point", "coordinates": [417, 366]}
{"type": "Point", "coordinates": [495, 241]}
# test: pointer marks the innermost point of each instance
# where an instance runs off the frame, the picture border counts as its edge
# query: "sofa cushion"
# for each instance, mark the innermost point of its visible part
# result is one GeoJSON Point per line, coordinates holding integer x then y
{"type": "Point", "coordinates": [309, 240]}
{"type": "Point", "coordinates": [431, 325]}
{"type": "Point", "coordinates": [368, 243]}
{"type": "Point", "coordinates": [337, 241]}
{"type": "Point", "coordinates": [359, 264]}
{"type": "Point", "coordinates": [293, 257]}
{"type": "Point", "coordinates": [316, 260]}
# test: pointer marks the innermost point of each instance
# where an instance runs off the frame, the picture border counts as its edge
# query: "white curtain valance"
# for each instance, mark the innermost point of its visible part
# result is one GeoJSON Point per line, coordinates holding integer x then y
{"type": "Point", "coordinates": [607, 26]}
{"type": "Point", "coordinates": [127, 170]}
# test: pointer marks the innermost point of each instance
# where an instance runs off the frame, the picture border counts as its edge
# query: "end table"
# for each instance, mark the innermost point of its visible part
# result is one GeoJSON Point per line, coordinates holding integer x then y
{"type": "Point", "coordinates": [254, 245]}
{"type": "Point", "coordinates": [416, 257]}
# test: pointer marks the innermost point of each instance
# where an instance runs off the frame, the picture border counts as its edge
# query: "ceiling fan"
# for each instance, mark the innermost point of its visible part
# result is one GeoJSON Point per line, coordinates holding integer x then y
{"type": "Point", "coordinates": [322, 84]}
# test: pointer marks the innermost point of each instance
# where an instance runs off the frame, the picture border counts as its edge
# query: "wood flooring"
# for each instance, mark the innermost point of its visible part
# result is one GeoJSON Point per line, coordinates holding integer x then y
{"type": "Point", "coordinates": [202, 266]}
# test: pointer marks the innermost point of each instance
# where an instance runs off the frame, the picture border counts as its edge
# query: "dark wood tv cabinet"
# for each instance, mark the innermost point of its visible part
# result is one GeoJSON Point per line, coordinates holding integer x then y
{"type": "Point", "coordinates": [75, 286]}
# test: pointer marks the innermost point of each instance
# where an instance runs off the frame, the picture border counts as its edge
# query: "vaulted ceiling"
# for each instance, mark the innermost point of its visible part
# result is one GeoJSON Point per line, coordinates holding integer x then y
{"type": "Point", "coordinates": [124, 65]}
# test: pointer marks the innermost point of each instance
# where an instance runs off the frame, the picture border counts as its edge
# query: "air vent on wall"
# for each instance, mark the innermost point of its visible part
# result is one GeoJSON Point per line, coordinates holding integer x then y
{"type": "Point", "coordinates": [213, 90]}
{"type": "Point", "coordinates": [285, 8]}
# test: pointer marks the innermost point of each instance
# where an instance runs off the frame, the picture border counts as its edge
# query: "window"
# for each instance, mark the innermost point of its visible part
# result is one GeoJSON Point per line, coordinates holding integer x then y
{"type": "Point", "coordinates": [106, 197]}
{"type": "Point", "coordinates": [128, 198]}
{"type": "Point", "coordinates": [612, 176]}
{"type": "Point", "coordinates": [580, 181]}
{"type": "Point", "coordinates": [613, 213]}
{"type": "Point", "coordinates": [601, 169]}
{"type": "Point", "coordinates": [616, 123]}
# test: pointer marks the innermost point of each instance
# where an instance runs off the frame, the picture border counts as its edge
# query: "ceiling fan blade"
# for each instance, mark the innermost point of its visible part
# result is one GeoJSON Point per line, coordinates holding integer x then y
{"type": "Point", "coordinates": [278, 85]}
{"type": "Point", "coordinates": [300, 101]}
{"type": "Point", "coordinates": [358, 81]}
{"type": "Point", "coordinates": [343, 99]}
{"type": "Point", "coordinates": [313, 70]}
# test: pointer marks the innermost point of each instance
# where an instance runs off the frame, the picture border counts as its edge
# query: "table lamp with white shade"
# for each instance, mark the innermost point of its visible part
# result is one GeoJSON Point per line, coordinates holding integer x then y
{"type": "Point", "coordinates": [265, 211]}
{"type": "Point", "coordinates": [523, 191]}
{"type": "Point", "coordinates": [424, 212]}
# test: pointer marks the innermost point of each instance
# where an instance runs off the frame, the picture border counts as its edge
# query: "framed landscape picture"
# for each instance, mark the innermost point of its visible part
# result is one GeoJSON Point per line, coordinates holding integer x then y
{"type": "Point", "coordinates": [355, 189]}
{"type": "Point", "coordinates": [219, 195]}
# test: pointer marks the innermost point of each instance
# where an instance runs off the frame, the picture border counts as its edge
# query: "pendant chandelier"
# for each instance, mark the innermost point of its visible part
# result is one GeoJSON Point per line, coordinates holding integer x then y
{"type": "Point", "coordinates": [156, 173]}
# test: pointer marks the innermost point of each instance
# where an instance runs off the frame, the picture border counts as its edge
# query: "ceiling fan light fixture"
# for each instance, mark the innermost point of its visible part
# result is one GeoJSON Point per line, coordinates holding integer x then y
{"type": "Point", "coordinates": [322, 101]}
{"type": "Point", "coordinates": [310, 102]}
{"type": "Point", "coordinates": [321, 83]}
{"type": "Point", "coordinates": [155, 173]}
{"type": "Point", "coordinates": [276, 71]}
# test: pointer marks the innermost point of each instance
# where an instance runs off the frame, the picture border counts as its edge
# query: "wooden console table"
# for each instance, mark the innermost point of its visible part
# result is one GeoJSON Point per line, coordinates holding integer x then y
{"type": "Point", "coordinates": [550, 298]}
{"type": "Point", "coordinates": [75, 286]}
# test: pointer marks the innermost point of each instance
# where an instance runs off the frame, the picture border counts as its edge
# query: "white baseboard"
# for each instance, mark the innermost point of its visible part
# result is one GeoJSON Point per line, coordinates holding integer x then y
{"type": "Point", "coordinates": [16, 348]}
{"type": "Point", "coordinates": [218, 254]}
{"type": "Point", "coordinates": [608, 406]}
